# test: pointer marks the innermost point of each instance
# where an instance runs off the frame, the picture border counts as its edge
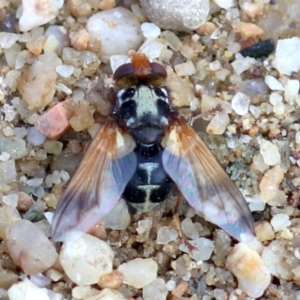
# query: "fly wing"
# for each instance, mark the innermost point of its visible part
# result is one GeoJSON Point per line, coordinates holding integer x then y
{"type": "Point", "coordinates": [203, 182]}
{"type": "Point", "coordinates": [97, 184]}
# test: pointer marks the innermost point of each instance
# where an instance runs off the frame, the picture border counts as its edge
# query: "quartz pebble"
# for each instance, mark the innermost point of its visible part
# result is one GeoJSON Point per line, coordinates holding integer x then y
{"type": "Point", "coordinates": [273, 83]}
{"type": "Point", "coordinates": [286, 59]}
{"type": "Point", "coordinates": [166, 235]}
{"type": "Point", "coordinates": [7, 39]}
{"type": "Point", "coordinates": [155, 290]}
{"type": "Point", "coordinates": [224, 3]}
{"type": "Point", "coordinates": [247, 29]}
{"type": "Point", "coordinates": [29, 247]}
{"type": "Point", "coordinates": [269, 185]}
{"type": "Point", "coordinates": [8, 215]}
{"type": "Point", "coordinates": [218, 124]}
{"type": "Point", "coordinates": [8, 172]}
{"type": "Point", "coordinates": [240, 103]}
{"type": "Point", "coordinates": [291, 90]}
{"type": "Point", "coordinates": [139, 272]}
{"type": "Point", "coordinates": [264, 232]}
{"type": "Point", "coordinates": [177, 15]}
{"type": "Point", "coordinates": [37, 84]}
{"type": "Point", "coordinates": [117, 39]}
{"type": "Point", "coordinates": [14, 146]}
{"type": "Point", "coordinates": [34, 137]}
{"type": "Point", "coordinates": [270, 153]}
{"type": "Point", "coordinates": [280, 222]}
{"type": "Point", "coordinates": [150, 30]}
{"type": "Point", "coordinates": [38, 12]}
{"type": "Point", "coordinates": [203, 249]}
{"type": "Point", "coordinates": [107, 294]}
{"type": "Point", "coordinates": [189, 229]}
{"type": "Point", "coordinates": [85, 259]}
{"type": "Point", "coordinates": [28, 290]}
{"type": "Point", "coordinates": [252, 274]}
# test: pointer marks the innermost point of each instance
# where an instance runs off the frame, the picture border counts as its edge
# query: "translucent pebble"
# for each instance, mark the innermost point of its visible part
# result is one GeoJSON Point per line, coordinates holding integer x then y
{"type": "Point", "coordinates": [64, 70]}
{"type": "Point", "coordinates": [297, 137]}
{"type": "Point", "coordinates": [240, 103]}
{"type": "Point", "coordinates": [150, 30]}
{"type": "Point", "coordinates": [11, 200]}
{"type": "Point", "coordinates": [27, 290]}
{"type": "Point", "coordinates": [204, 248]}
{"type": "Point", "coordinates": [16, 147]}
{"type": "Point", "coordinates": [270, 153]}
{"type": "Point", "coordinates": [291, 90]}
{"type": "Point", "coordinates": [273, 83]}
{"type": "Point", "coordinates": [218, 124]}
{"type": "Point", "coordinates": [34, 137]}
{"type": "Point", "coordinates": [64, 175]}
{"type": "Point", "coordinates": [8, 172]}
{"type": "Point", "coordinates": [280, 222]}
{"type": "Point", "coordinates": [286, 59]}
{"type": "Point", "coordinates": [82, 292]}
{"type": "Point", "coordinates": [53, 147]}
{"type": "Point", "coordinates": [4, 156]}
{"type": "Point", "coordinates": [264, 232]}
{"type": "Point", "coordinates": [107, 294]}
{"type": "Point", "coordinates": [156, 289]}
{"type": "Point", "coordinates": [189, 229]}
{"type": "Point", "coordinates": [139, 272]}
{"type": "Point", "coordinates": [224, 3]}
{"type": "Point", "coordinates": [8, 215]}
{"type": "Point", "coordinates": [241, 64]}
{"type": "Point", "coordinates": [252, 274]}
{"type": "Point", "coordinates": [29, 247]}
{"type": "Point", "coordinates": [7, 39]}
{"type": "Point", "coordinates": [166, 235]}
{"type": "Point", "coordinates": [35, 181]}
{"type": "Point", "coordinates": [185, 69]}
{"type": "Point", "coordinates": [9, 112]}
{"type": "Point", "coordinates": [85, 259]}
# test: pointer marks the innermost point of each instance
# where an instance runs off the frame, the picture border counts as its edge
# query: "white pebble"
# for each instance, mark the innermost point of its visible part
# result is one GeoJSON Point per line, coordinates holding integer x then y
{"type": "Point", "coordinates": [27, 290]}
{"type": "Point", "coordinates": [7, 39]}
{"type": "Point", "coordinates": [224, 3]}
{"type": "Point", "coordinates": [85, 259]}
{"type": "Point", "coordinates": [242, 64]}
{"type": "Point", "coordinates": [278, 106]}
{"type": "Point", "coordinates": [204, 248]}
{"type": "Point", "coordinates": [297, 137]}
{"type": "Point", "coordinates": [34, 137]}
{"type": "Point", "coordinates": [107, 294]}
{"type": "Point", "coordinates": [139, 272]}
{"type": "Point", "coordinates": [252, 274]}
{"type": "Point", "coordinates": [155, 290]}
{"type": "Point", "coordinates": [4, 156]}
{"type": "Point", "coordinates": [150, 30]}
{"type": "Point", "coordinates": [65, 70]}
{"type": "Point", "coordinates": [11, 200]}
{"type": "Point", "coordinates": [185, 69]}
{"type": "Point", "coordinates": [280, 222]}
{"type": "Point", "coordinates": [166, 235]}
{"type": "Point", "coordinates": [218, 124]}
{"type": "Point", "coordinates": [286, 58]}
{"type": "Point", "coordinates": [215, 65]}
{"type": "Point", "coordinates": [35, 181]}
{"type": "Point", "coordinates": [189, 229]}
{"type": "Point", "coordinates": [117, 39]}
{"type": "Point", "coordinates": [240, 103]}
{"type": "Point", "coordinates": [291, 90]}
{"type": "Point", "coordinates": [39, 12]}
{"type": "Point", "coordinates": [273, 83]}
{"type": "Point", "coordinates": [270, 153]}
{"type": "Point", "coordinates": [8, 172]}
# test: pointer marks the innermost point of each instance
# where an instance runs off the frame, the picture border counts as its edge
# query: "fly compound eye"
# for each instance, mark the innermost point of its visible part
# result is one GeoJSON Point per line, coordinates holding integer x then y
{"type": "Point", "coordinates": [124, 71]}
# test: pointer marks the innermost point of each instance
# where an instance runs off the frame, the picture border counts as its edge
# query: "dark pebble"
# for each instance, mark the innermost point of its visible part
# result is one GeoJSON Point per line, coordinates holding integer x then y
{"type": "Point", "coordinates": [260, 49]}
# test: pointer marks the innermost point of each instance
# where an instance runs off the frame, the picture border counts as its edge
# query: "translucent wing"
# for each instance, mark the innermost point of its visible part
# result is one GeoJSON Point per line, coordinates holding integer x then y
{"type": "Point", "coordinates": [203, 182]}
{"type": "Point", "coordinates": [97, 185]}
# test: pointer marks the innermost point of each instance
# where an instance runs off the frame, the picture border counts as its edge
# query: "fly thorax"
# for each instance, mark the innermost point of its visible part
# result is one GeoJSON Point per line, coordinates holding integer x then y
{"type": "Point", "coordinates": [144, 110]}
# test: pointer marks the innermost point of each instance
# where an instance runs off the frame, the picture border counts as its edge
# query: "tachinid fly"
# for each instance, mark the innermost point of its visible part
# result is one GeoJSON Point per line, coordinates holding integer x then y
{"type": "Point", "coordinates": [141, 152]}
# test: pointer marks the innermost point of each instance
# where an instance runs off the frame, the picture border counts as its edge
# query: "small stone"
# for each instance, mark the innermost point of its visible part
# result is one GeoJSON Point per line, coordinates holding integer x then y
{"type": "Point", "coordinates": [107, 4]}
{"type": "Point", "coordinates": [112, 280]}
{"type": "Point", "coordinates": [65, 70]}
{"type": "Point", "coordinates": [270, 153]}
{"type": "Point", "coordinates": [4, 156]}
{"type": "Point", "coordinates": [278, 106]}
{"type": "Point", "coordinates": [29, 247]}
{"type": "Point", "coordinates": [143, 230]}
{"type": "Point", "coordinates": [28, 290]}
{"type": "Point", "coordinates": [139, 272]}
{"type": "Point", "coordinates": [8, 172]}
{"type": "Point", "coordinates": [155, 290]}
{"type": "Point", "coordinates": [189, 229]}
{"type": "Point", "coordinates": [83, 292]}
{"type": "Point", "coordinates": [240, 103]}
{"type": "Point", "coordinates": [260, 49]}
{"type": "Point", "coordinates": [8, 215]}
{"type": "Point", "coordinates": [203, 249]}
{"type": "Point", "coordinates": [79, 39]}
{"type": "Point", "coordinates": [55, 121]}
{"type": "Point", "coordinates": [37, 84]}
{"type": "Point", "coordinates": [150, 30]}
{"type": "Point", "coordinates": [82, 117]}
{"type": "Point", "coordinates": [7, 39]}
{"type": "Point", "coordinates": [34, 137]}
{"type": "Point", "coordinates": [107, 294]}
{"type": "Point", "coordinates": [34, 182]}
{"type": "Point", "coordinates": [166, 235]}
{"type": "Point", "coordinates": [286, 59]}
{"type": "Point", "coordinates": [113, 27]}
{"type": "Point", "coordinates": [54, 275]}
{"type": "Point", "coordinates": [269, 185]}
{"type": "Point", "coordinates": [177, 15]}
{"type": "Point", "coordinates": [252, 274]}
{"type": "Point", "coordinates": [35, 44]}
{"type": "Point", "coordinates": [10, 200]}
{"type": "Point", "coordinates": [14, 146]}
{"type": "Point", "coordinates": [224, 3]}
{"type": "Point", "coordinates": [273, 83]}
{"type": "Point", "coordinates": [86, 259]}
{"type": "Point", "coordinates": [38, 12]}
{"type": "Point", "coordinates": [291, 90]}
{"type": "Point", "coordinates": [242, 64]}
{"type": "Point", "coordinates": [218, 124]}
{"type": "Point", "coordinates": [9, 111]}
{"type": "Point", "coordinates": [185, 69]}
{"type": "Point", "coordinates": [264, 232]}
{"type": "Point", "coordinates": [280, 222]}
{"type": "Point", "coordinates": [53, 147]}
{"type": "Point", "coordinates": [247, 29]}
